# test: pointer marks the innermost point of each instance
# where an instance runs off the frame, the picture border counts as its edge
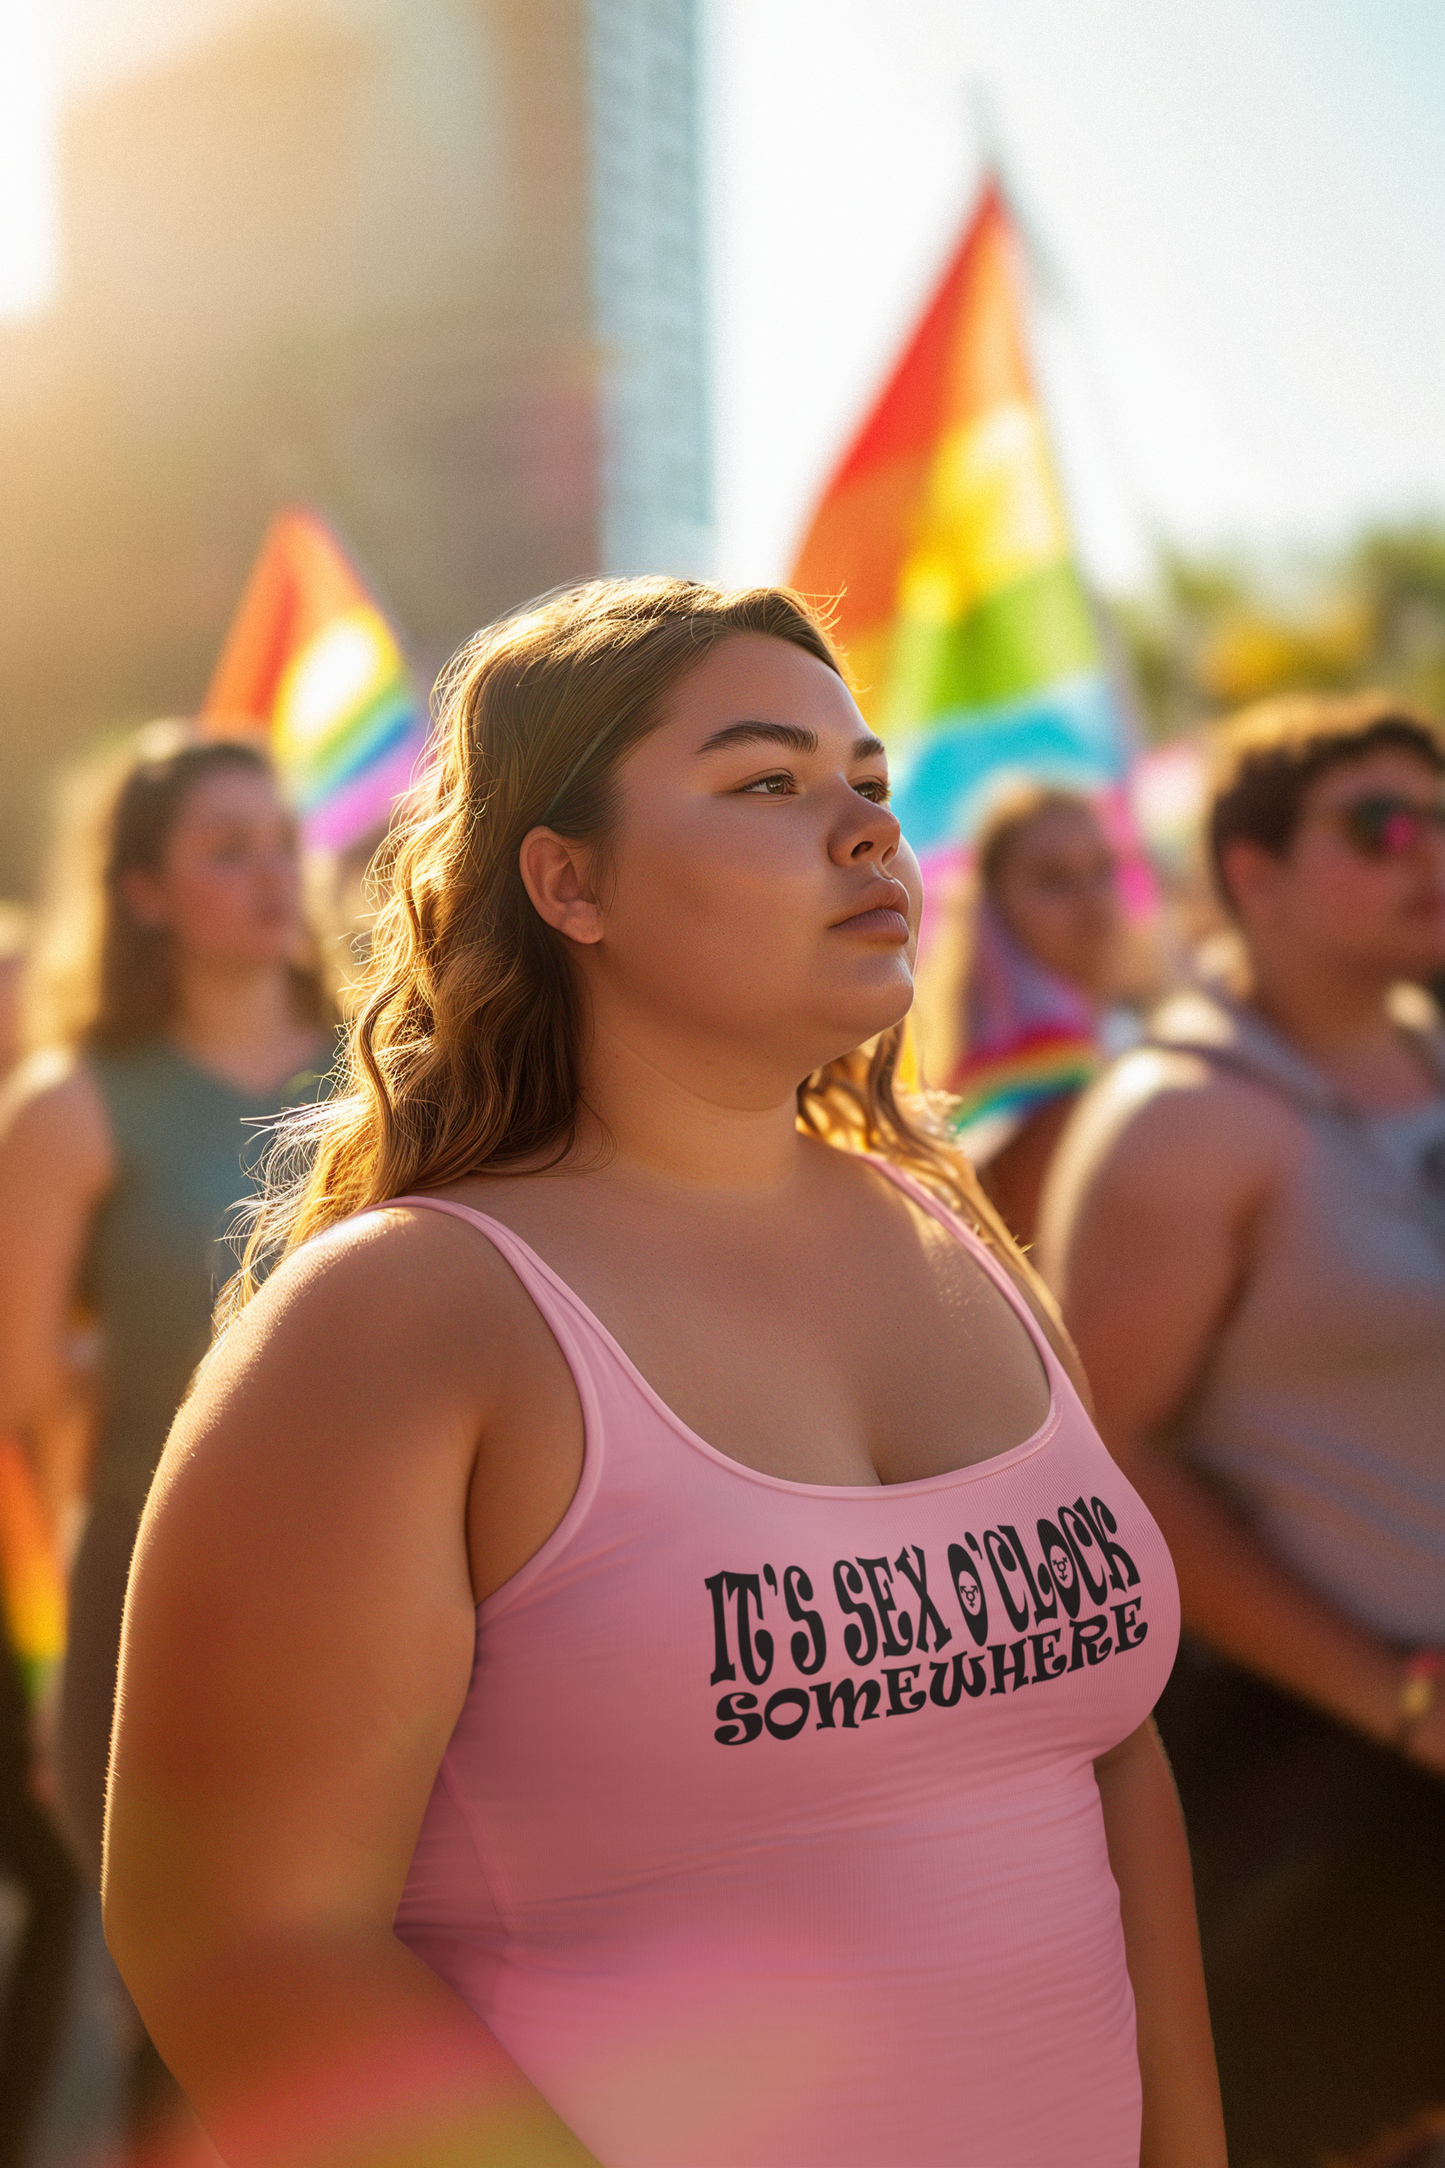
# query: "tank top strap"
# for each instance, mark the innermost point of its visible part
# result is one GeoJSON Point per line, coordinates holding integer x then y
{"type": "Point", "coordinates": [583, 1338]}
{"type": "Point", "coordinates": [981, 1253]}
{"type": "Point", "coordinates": [597, 1365]}
{"type": "Point", "coordinates": [561, 1308]}
{"type": "Point", "coordinates": [606, 1388]}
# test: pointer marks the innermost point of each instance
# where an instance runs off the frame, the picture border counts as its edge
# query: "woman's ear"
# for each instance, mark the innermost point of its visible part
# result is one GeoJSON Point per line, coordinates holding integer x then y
{"type": "Point", "coordinates": [554, 873]}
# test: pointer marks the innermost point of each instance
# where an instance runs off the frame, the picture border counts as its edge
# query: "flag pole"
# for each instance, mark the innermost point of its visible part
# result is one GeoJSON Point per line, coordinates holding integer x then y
{"type": "Point", "coordinates": [1053, 288]}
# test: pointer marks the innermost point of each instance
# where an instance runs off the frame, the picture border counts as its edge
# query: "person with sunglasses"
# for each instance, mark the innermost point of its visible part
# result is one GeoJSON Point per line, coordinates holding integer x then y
{"type": "Point", "coordinates": [1246, 1228]}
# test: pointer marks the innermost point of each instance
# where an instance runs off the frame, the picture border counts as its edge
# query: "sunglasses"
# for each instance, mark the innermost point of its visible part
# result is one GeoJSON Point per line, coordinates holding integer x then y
{"type": "Point", "coordinates": [1388, 827]}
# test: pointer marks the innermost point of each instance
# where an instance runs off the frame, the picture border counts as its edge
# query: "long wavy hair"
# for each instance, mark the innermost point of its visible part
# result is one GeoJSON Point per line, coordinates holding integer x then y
{"type": "Point", "coordinates": [465, 1049]}
{"type": "Point", "coordinates": [102, 977]}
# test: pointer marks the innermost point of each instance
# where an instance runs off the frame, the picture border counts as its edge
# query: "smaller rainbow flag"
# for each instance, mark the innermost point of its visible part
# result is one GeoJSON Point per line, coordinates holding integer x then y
{"type": "Point", "coordinates": [1029, 1037]}
{"type": "Point", "coordinates": [32, 1586]}
{"type": "Point", "coordinates": [311, 663]}
{"type": "Point", "coordinates": [1013, 1085]}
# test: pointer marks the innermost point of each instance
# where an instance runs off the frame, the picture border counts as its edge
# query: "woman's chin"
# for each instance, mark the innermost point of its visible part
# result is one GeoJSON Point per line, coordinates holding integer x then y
{"type": "Point", "coordinates": [864, 1022]}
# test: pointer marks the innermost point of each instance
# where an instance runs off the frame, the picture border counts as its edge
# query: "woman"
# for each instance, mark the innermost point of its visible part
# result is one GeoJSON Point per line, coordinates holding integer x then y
{"type": "Point", "coordinates": [187, 1010]}
{"type": "Point", "coordinates": [635, 1862]}
{"type": "Point", "coordinates": [1044, 957]}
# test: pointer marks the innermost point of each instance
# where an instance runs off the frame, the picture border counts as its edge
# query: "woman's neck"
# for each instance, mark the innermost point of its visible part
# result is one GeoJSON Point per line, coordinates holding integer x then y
{"type": "Point", "coordinates": [665, 1118]}
{"type": "Point", "coordinates": [241, 1024]}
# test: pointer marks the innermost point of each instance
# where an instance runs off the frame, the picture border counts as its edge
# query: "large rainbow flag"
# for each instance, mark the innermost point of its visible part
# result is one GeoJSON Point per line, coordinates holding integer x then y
{"type": "Point", "coordinates": [943, 537]}
{"type": "Point", "coordinates": [311, 663]}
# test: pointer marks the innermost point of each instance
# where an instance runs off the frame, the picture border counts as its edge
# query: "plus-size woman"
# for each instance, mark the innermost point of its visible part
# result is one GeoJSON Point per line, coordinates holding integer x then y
{"type": "Point", "coordinates": [636, 1650]}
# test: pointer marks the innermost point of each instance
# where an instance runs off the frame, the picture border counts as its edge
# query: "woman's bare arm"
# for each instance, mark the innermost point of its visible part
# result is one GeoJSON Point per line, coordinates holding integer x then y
{"type": "Point", "coordinates": [56, 1164]}
{"type": "Point", "coordinates": [298, 1645]}
{"type": "Point", "coordinates": [1183, 2122]}
{"type": "Point", "coordinates": [1149, 1220]}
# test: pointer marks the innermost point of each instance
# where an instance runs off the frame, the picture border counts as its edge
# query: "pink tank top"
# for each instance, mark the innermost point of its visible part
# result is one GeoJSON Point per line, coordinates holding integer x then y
{"type": "Point", "coordinates": [768, 1836]}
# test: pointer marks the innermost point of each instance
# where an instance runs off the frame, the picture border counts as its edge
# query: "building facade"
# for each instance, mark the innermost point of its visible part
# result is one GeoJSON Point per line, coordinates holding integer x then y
{"type": "Point", "coordinates": [649, 280]}
{"type": "Point", "coordinates": [435, 267]}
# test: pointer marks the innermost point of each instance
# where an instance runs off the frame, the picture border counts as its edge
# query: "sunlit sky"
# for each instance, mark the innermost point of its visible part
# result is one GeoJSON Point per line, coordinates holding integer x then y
{"type": "Point", "coordinates": [1240, 203]}
{"type": "Point", "coordinates": [1243, 202]}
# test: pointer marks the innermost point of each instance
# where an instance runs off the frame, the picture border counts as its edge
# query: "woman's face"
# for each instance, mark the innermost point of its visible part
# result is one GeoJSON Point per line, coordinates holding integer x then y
{"type": "Point", "coordinates": [1057, 894]}
{"type": "Point", "coordinates": [228, 889]}
{"type": "Point", "coordinates": [758, 894]}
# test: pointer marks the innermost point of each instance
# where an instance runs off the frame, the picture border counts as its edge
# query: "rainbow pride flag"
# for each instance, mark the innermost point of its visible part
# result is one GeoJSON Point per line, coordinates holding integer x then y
{"type": "Point", "coordinates": [943, 537]}
{"type": "Point", "coordinates": [311, 663]}
{"type": "Point", "coordinates": [996, 1093]}
{"type": "Point", "coordinates": [32, 1586]}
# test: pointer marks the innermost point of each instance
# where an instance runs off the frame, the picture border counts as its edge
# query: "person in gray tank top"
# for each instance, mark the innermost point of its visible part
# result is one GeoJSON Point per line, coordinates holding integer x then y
{"type": "Point", "coordinates": [191, 1014]}
{"type": "Point", "coordinates": [1246, 1227]}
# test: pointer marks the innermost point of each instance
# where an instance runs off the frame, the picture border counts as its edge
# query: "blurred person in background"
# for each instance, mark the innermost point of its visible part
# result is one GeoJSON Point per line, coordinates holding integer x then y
{"type": "Point", "coordinates": [14, 936]}
{"type": "Point", "coordinates": [637, 1861]}
{"type": "Point", "coordinates": [181, 1005]}
{"type": "Point", "coordinates": [1246, 1228]}
{"type": "Point", "coordinates": [1028, 962]}
{"type": "Point", "coordinates": [33, 1857]}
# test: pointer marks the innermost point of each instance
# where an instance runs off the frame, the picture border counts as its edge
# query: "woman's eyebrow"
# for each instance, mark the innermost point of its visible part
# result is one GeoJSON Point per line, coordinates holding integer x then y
{"type": "Point", "coordinates": [790, 735]}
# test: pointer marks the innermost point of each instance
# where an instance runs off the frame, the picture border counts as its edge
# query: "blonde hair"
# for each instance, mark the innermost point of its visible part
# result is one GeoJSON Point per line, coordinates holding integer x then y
{"type": "Point", "coordinates": [464, 1052]}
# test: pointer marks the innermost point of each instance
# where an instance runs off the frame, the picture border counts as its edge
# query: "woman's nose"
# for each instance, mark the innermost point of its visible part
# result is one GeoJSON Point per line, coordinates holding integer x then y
{"type": "Point", "coordinates": [868, 830]}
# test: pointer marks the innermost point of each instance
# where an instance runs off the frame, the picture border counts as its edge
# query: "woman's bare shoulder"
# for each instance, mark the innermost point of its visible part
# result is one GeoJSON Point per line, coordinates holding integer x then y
{"type": "Point", "coordinates": [51, 1108]}
{"type": "Point", "coordinates": [1162, 1099]}
{"type": "Point", "coordinates": [394, 1277]}
{"type": "Point", "coordinates": [1179, 1133]}
{"type": "Point", "coordinates": [391, 1344]}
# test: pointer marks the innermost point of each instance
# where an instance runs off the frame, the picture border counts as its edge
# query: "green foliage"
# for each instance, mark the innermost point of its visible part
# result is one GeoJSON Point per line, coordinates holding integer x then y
{"type": "Point", "coordinates": [1220, 632]}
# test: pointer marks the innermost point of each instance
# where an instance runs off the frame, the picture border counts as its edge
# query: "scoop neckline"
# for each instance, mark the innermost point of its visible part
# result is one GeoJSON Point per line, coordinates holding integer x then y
{"type": "Point", "coordinates": [267, 1096]}
{"type": "Point", "coordinates": [970, 1471]}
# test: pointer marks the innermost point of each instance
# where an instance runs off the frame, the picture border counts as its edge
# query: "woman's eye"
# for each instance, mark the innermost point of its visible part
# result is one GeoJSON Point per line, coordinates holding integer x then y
{"type": "Point", "coordinates": [783, 785]}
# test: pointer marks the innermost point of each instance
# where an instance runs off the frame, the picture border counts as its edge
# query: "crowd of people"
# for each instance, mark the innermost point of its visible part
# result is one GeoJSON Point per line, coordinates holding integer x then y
{"type": "Point", "coordinates": [636, 1397]}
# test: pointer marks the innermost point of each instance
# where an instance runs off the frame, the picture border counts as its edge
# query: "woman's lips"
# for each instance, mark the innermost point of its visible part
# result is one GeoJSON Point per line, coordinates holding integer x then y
{"type": "Point", "coordinates": [879, 925]}
{"type": "Point", "coordinates": [882, 914]}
